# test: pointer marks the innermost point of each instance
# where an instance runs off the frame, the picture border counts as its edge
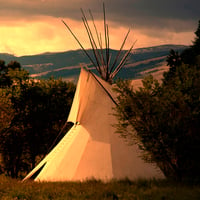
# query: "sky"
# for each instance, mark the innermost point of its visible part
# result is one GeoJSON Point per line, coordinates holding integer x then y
{"type": "Point", "coordinates": [30, 27]}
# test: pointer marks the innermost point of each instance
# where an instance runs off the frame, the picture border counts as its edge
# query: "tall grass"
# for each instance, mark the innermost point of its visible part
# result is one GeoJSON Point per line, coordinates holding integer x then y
{"type": "Point", "coordinates": [96, 190]}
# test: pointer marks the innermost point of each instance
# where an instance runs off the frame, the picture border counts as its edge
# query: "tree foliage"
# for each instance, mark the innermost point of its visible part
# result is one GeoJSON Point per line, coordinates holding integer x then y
{"type": "Point", "coordinates": [163, 118]}
{"type": "Point", "coordinates": [191, 55]}
{"type": "Point", "coordinates": [11, 74]}
{"type": "Point", "coordinates": [32, 114]}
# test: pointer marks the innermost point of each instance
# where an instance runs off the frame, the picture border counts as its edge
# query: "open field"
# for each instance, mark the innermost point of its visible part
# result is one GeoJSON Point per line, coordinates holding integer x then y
{"type": "Point", "coordinates": [96, 190]}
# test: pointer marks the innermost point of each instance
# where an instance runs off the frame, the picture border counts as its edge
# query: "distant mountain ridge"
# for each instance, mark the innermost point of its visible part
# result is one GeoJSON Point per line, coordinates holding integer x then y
{"type": "Point", "coordinates": [67, 64]}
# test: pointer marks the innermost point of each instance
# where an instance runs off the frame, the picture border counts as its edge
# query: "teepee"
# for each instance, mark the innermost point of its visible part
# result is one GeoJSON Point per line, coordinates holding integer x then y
{"type": "Point", "coordinates": [91, 148]}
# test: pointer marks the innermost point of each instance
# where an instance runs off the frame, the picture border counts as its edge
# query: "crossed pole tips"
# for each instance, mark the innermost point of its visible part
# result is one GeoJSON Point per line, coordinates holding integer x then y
{"type": "Point", "coordinates": [101, 58]}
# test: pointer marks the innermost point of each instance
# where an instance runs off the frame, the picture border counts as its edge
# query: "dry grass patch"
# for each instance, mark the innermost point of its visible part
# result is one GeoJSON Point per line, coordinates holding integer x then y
{"type": "Point", "coordinates": [96, 190]}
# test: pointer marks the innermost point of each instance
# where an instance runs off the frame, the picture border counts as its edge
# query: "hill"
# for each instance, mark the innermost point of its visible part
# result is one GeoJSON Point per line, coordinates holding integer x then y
{"type": "Point", "coordinates": [67, 64]}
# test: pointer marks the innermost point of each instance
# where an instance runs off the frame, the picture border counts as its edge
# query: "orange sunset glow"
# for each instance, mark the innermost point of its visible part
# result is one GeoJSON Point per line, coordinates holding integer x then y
{"type": "Point", "coordinates": [28, 27]}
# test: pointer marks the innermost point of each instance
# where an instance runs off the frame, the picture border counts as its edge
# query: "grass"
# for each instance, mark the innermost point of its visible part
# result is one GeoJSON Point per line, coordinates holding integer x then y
{"type": "Point", "coordinates": [96, 190]}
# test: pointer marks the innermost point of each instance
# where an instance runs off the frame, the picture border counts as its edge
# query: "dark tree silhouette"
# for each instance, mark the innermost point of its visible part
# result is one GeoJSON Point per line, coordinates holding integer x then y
{"type": "Point", "coordinates": [163, 119]}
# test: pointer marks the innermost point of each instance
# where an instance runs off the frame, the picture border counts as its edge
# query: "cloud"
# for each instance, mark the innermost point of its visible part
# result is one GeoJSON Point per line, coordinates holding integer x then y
{"type": "Point", "coordinates": [34, 26]}
{"type": "Point", "coordinates": [141, 13]}
{"type": "Point", "coordinates": [40, 36]}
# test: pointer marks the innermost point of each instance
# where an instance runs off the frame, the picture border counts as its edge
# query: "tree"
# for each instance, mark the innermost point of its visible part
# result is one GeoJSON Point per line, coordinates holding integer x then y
{"type": "Point", "coordinates": [196, 43]}
{"type": "Point", "coordinates": [4, 81]}
{"type": "Point", "coordinates": [174, 60]}
{"type": "Point", "coordinates": [12, 79]}
{"type": "Point", "coordinates": [47, 105]}
{"type": "Point", "coordinates": [6, 111]}
{"type": "Point", "coordinates": [32, 114]}
{"type": "Point", "coordinates": [163, 119]}
{"type": "Point", "coordinates": [12, 74]}
{"type": "Point", "coordinates": [191, 54]}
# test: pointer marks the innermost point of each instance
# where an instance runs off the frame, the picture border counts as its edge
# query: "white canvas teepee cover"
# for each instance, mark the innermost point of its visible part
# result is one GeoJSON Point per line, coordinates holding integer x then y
{"type": "Point", "coordinates": [91, 148]}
